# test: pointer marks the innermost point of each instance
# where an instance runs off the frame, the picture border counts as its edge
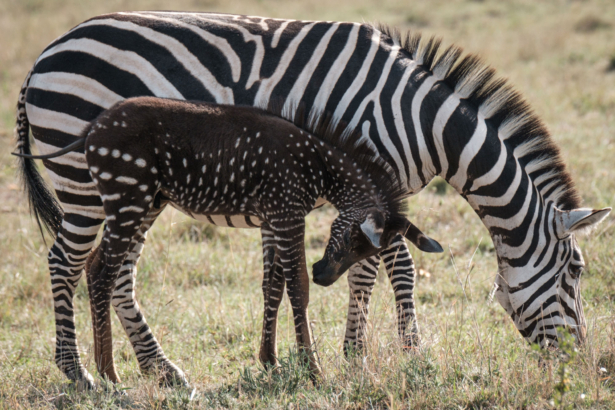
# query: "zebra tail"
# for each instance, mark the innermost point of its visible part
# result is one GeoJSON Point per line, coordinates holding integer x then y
{"type": "Point", "coordinates": [43, 205]}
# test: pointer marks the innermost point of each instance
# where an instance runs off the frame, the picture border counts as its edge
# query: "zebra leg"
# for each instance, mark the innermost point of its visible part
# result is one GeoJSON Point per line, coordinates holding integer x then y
{"type": "Point", "coordinates": [361, 280]}
{"type": "Point", "coordinates": [149, 353]}
{"type": "Point", "coordinates": [273, 290]}
{"type": "Point", "coordinates": [400, 269]}
{"type": "Point", "coordinates": [67, 257]}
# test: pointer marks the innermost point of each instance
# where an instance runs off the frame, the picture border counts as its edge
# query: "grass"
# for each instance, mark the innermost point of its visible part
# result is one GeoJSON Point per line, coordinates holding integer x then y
{"type": "Point", "coordinates": [200, 287]}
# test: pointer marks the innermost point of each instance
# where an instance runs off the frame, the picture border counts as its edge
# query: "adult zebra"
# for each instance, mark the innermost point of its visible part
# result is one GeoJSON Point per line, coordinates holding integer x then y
{"type": "Point", "coordinates": [428, 112]}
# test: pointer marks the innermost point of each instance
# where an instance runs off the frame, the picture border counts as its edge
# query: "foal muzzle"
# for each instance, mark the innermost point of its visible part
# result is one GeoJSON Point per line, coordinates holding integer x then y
{"type": "Point", "coordinates": [325, 273]}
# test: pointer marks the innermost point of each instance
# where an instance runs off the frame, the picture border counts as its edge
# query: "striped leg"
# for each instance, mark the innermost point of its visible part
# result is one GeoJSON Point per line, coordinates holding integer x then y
{"type": "Point", "coordinates": [121, 234]}
{"type": "Point", "coordinates": [361, 280]}
{"type": "Point", "coordinates": [103, 270]}
{"type": "Point", "coordinates": [149, 353]}
{"type": "Point", "coordinates": [291, 248]}
{"type": "Point", "coordinates": [67, 258]}
{"type": "Point", "coordinates": [400, 269]}
{"type": "Point", "coordinates": [273, 291]}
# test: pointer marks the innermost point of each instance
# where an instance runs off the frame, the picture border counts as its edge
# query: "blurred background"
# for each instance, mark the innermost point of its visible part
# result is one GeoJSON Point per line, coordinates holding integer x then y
{"type": "Point", "coordinates": [200, 286]}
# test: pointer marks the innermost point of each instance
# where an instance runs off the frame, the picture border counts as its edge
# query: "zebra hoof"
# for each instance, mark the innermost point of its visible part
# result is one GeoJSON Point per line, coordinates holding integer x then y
{"type": "Point", "coordinates": [119, 393]}
{"type": "Point", "coordinates": [171, 376]}
{"type": "Point", "coordinates": [85, 385]}
{"type": "Point", "coordinates": [411, 343]}
{"type": "Point", "coordinates": [84, 381]}
{"type": "Point", "coordinates": [353, 349]}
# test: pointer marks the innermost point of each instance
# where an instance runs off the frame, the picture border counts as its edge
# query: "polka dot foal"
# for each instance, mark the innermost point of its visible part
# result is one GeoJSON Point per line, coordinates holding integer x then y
{"type": "Point", "coordinates": [249, 182]}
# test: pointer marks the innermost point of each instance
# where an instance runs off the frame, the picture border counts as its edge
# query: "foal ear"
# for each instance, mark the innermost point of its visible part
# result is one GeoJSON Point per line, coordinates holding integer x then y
{"type": "Point", "coordinates": [566, 222]}
{"type": "Point", "coordinates": [420, 240]}
{"type": "Point", "coordinates": [373, 226]}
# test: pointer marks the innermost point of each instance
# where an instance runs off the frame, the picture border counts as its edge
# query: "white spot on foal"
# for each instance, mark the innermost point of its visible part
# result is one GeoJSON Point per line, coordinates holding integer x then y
{"type": "Point", "coordinates": [110, 197]}
{"type": "Point", "coordinates": [131, 208]}
{"type": "Point", "coordinates": [126, 180]}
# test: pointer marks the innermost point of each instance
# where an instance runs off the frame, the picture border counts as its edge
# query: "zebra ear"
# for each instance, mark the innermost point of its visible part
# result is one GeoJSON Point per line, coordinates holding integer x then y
{"type": "Point", "coordinates": [567, 222]}
{"type": "Point", "coordinates": [420, 240]}
{"type": "Point", "coordinates": [373, 226]}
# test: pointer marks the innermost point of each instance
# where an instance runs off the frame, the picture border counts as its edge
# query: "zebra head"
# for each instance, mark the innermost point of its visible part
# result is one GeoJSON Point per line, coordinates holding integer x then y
{"type": "Point", "coordinates": [542, 293]}
{"type": "Point", "coordinates": [363, 233]}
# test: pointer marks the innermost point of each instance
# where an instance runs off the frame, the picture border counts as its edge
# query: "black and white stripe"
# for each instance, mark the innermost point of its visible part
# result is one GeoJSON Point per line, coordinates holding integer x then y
{"type": "Point", "coordinates": [427, 111]}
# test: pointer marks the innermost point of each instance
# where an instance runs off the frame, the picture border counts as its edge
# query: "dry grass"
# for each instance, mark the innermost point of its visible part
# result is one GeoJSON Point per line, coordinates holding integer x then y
{"type": "Point", "coordinates": [200, 288]}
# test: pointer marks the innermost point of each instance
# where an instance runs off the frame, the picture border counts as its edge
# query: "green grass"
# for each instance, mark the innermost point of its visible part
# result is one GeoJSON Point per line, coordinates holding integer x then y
{"type": "Point", "coordinates": [200, 287]}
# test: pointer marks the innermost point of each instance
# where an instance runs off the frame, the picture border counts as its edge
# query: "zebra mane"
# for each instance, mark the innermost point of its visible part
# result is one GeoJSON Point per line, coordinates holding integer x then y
{"type": "Point", "coordinates": [519, 128]}
{"type": "Point", "coordinates": [361, 149]}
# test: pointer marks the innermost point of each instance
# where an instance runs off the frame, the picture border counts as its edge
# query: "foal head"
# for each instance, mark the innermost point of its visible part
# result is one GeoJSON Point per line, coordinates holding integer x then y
{"type": "Point", "coordinates": [362, 234]}
{"type": "Point", "coordinates": [362, 187]}
{"type": "Point", "coordinates": [371, 206]}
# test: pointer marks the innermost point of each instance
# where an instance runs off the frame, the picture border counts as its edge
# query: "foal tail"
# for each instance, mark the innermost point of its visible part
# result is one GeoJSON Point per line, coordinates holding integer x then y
{"type": "Point", "coordinates": [43, 204]}
{"type": "Point", "coordinates": [70, 147]}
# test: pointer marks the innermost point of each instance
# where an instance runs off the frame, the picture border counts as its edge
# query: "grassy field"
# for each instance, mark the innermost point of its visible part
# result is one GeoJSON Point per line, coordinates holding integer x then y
{"type": "Point", "coordinates": [200, 287]}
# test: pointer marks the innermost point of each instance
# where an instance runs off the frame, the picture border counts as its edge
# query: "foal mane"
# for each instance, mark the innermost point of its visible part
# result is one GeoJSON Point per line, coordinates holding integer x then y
{"type": "Point", "coordinates": [351, 143]}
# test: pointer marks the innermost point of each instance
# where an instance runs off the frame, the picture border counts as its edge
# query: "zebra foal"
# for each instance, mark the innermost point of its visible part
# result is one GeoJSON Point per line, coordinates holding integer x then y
{"type": "Point", "coordinates": [209, 161]}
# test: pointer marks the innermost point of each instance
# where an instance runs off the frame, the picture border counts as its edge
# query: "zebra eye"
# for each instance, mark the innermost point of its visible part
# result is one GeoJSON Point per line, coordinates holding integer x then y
{"type": "Point", "coordinates": [576, 271]}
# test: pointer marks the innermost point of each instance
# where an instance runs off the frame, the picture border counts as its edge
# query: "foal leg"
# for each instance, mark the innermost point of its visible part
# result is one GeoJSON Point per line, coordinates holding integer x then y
{"type": "Point", "coordinates": [120, 235]}
{"type": "Point", "coordinates": [126, 207]}
{"type": "Point", "coordinates": [361, 280]}
{"type": "Point", "coordinates": [273, 291]}
{"type": "Point", "coordinates": [149, 353]}
{"type": "Point", "coordinates": [290, 245]}
{"type": "Point", "coordinates": [104, 268]}
{"type": "Point", "coordinates": [400, 268]}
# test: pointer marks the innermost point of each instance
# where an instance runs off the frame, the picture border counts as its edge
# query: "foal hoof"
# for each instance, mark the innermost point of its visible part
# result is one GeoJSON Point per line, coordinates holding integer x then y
{"type": "Point", "coordinates": [269, 362]}
{"type": "Point", "coordinates": [316, 376]}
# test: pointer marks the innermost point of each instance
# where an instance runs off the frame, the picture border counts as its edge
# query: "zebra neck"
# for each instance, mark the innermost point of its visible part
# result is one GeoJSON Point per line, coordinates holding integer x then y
{"type": "Point", "coordinates": [511, 188]}
{"type": "Point", "coordinates": [511, 198]}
